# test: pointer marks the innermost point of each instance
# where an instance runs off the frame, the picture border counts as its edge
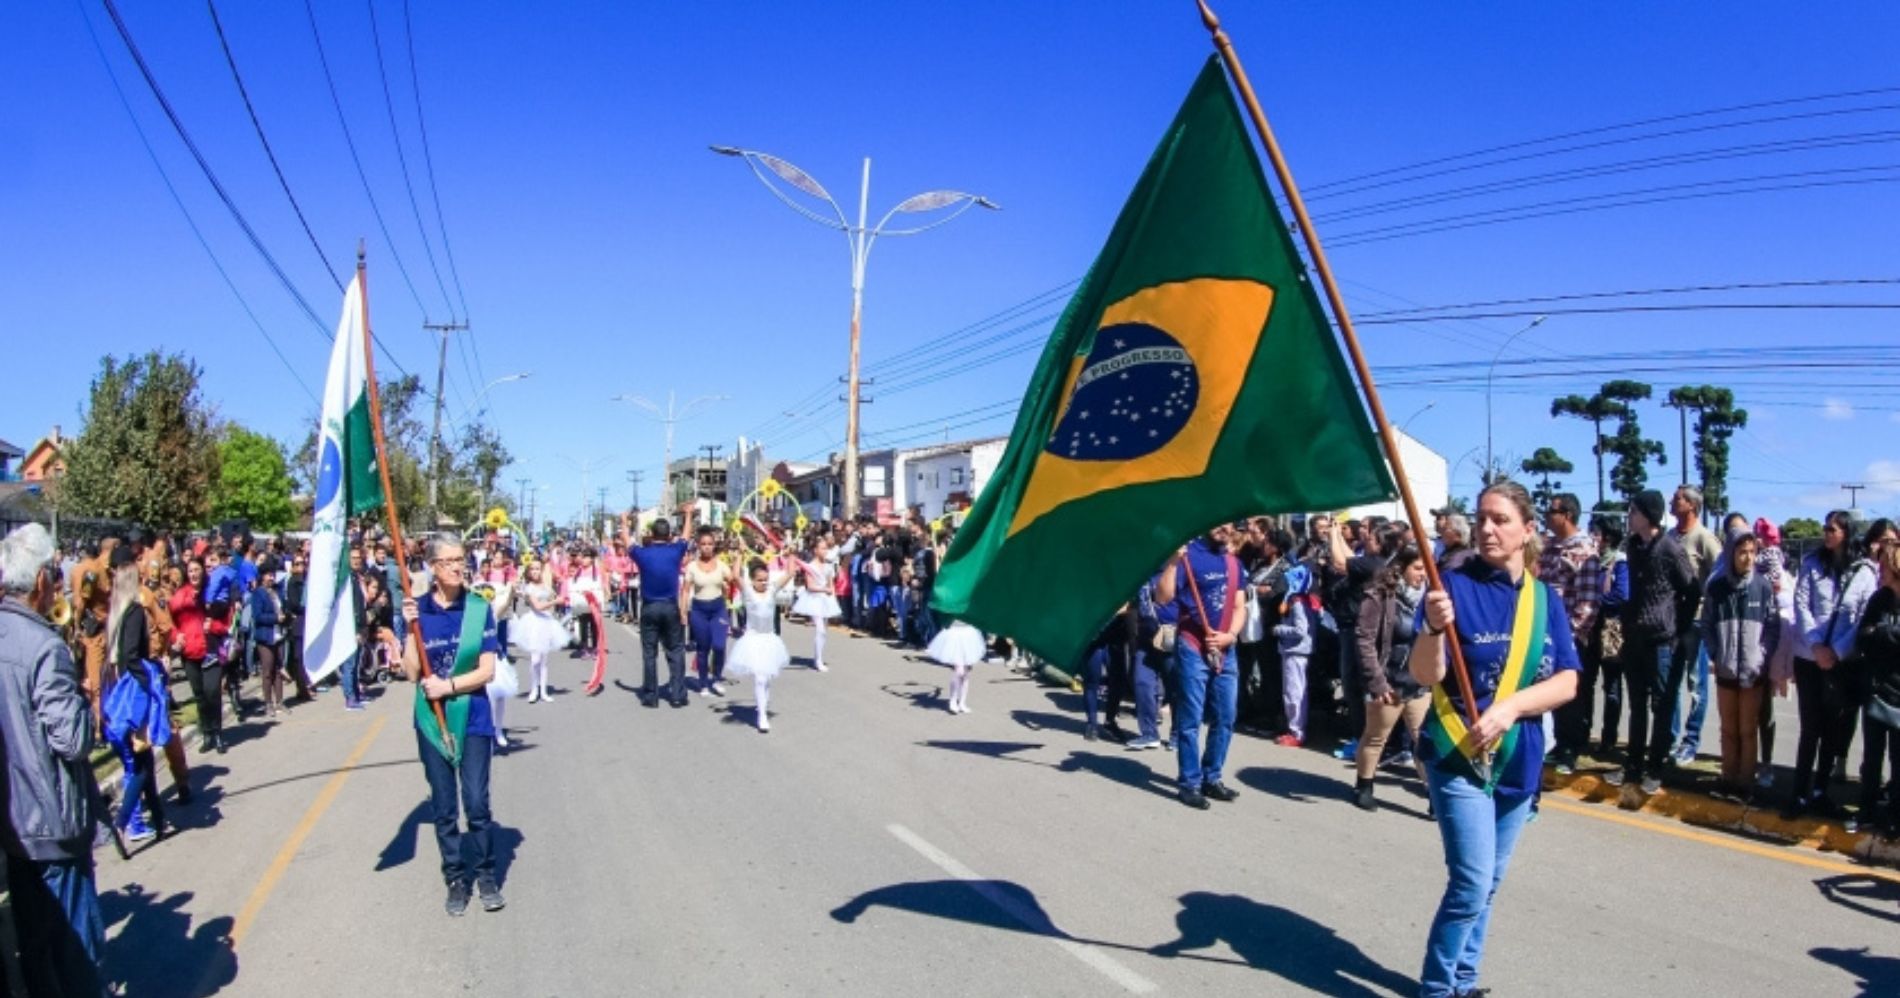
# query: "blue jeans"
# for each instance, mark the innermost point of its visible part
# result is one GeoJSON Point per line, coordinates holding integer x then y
{"type": "Point", "coordinates": [1148, 695]}
{"type": "Point", "coordinates": [1204, 694]}
{"type": "Point", "coordinates": [709, 624]}
{"type": "Point", "coordinates": [352, 686]}
{"type": "Point", "coordinates": [1701, 691]}
{"type": "Point", "coordinates": [1479, 832]}
{"type": "Point", "coordinates": [62, 935]}
{"type": "Point", "coordinates": [471, 778]}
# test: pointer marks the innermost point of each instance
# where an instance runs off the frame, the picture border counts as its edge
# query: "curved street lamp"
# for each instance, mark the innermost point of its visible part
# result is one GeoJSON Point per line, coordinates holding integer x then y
{"type": "Point", "coordinates": [1489, 468]}
{"type": "Point", "coordinates": [860, 239]}
{"type": "Point", "coordinates": [668, 417]}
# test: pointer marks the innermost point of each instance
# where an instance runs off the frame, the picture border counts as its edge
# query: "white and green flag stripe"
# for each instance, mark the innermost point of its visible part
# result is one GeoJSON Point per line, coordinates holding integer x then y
{"type": "Point", "coordinates": [348, 483]}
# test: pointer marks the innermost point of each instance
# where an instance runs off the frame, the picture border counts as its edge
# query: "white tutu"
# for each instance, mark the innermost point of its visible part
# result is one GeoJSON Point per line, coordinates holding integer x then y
{"type": "Point", "coordinates": [761, 655]}
{"type": "Point", "coordinates": [817, 606]}
{"type": "Point", "coordinates": [536, 634]}
{"type": "Point", "coordinates": [507, 681]}
{"type": "Point", "coordinates": [958, 644]}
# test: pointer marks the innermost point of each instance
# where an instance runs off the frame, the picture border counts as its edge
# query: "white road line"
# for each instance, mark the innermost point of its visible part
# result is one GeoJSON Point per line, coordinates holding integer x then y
{"type": "Point", "coordinates": [1035, 922]}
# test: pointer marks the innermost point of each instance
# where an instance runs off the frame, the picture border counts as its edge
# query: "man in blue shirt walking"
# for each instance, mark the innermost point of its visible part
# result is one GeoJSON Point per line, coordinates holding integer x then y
{"type": "Point", "coordinates": [1202, 581]}
{"type": "Point", "coordinates": [662, 615]}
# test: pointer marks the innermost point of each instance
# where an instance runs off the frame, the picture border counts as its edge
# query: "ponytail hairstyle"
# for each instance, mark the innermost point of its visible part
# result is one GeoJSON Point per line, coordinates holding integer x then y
{"type": "Point", "coordinates": [1392, 577]}
{"type": "Point", "coordinates": [1520, 499]}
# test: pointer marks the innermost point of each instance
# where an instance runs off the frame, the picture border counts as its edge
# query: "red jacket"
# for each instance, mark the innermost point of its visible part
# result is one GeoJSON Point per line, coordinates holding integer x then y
{"type": "Point", "coordinates": [188, 623]}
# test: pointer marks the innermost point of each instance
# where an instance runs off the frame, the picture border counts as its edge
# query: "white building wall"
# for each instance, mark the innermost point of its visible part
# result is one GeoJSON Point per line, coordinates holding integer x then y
{"type": "Point", "coordinates": [1430, 476]}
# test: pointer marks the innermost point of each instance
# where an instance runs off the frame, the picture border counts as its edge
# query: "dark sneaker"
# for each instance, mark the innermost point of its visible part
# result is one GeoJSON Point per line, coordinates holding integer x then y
{"type": "Point", "coordinates": [490, 893]}
{"type": "Point", "coordinates": [1089, 734]}
{"type": "Point", "coordinates": [1193, 800]}
{"type": "Point", "coordinates": [1218, 791]}
{"type": "Point", "coordinates": [457, 904]}
{"type": "Point", "coordinates": [1615, 778]}
{"type": "Point", "coordinates": [1651, 786]}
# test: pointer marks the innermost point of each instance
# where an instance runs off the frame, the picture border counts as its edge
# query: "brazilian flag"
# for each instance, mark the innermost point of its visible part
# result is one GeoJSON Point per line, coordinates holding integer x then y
{"type": "Point", "coordinates": [1192, 380]}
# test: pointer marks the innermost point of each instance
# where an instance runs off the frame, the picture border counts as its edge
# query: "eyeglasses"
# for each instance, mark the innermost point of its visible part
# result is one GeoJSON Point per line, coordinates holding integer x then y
{"type": "Point", "coordinates": [450, 563]}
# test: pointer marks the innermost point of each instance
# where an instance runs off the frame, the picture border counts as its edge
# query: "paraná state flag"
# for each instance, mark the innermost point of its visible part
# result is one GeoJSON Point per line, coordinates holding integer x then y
{"type": "Point", "coordinates": [348, 484]}
{"type": "Point", "coordinates": [1192, 380]}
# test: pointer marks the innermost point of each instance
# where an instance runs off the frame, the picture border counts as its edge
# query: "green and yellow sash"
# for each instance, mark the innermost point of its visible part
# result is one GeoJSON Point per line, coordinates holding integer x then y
{"type": "Point", "coordinates": [1446, 725]}
{"type": "Point", "coordinates": [468, 655]}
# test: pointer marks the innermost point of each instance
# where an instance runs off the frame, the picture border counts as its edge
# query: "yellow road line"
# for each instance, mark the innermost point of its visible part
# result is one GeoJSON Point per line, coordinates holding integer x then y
{"type": "Point", "coordinates": [281, 862]}
{"type": "Point", "coordinates": [1785, 855]}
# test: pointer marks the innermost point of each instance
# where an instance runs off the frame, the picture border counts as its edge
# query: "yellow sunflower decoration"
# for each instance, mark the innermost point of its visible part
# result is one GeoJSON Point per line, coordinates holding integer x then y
{"type": "Point", "coordinates": [771, 489]}
{"type": "Point", "coordinates": [496, 519]}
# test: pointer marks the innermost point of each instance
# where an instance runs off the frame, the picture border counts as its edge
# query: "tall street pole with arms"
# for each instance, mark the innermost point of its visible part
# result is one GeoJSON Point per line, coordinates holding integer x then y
{"type": "Point", "coordinates": [859, 238]}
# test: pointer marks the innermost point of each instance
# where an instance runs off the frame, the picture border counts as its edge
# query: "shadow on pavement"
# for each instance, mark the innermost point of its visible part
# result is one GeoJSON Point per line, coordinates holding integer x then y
{"type": "Point", "coordinates": [322, 772]}
{"type": "Point", "coordinates": [1295, 785]}
{"type": "Point", "coordinates": [505, 841]}
{"type": "Point", "coordinates": [402, 848]}
{"type": "Point", "coordinates": [153, 951]}
{"type": "Point", "coordinates": [1878, 975]}
{"type": "Point", "coordinates": [1305, 953]}
{"type": "Point", "coordinates": [1865, 893]}
{"type": "Point", "coordinates": [995, 750]}
{"type": "Point", "coordinates": [203, 811]}
{"type": "Point", "coordinates": [995, 904]}
{"type": "Point", "coordinates": [1123, 769]}
{"type": "Point", "coordinates": [1036, 720]}
{"type": "Point", "coordinates": [926, 695]}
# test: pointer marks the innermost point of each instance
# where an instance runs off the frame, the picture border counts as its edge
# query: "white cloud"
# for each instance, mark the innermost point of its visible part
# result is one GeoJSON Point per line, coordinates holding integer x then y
{"type": "Point", "coordinates": [1837, 410]}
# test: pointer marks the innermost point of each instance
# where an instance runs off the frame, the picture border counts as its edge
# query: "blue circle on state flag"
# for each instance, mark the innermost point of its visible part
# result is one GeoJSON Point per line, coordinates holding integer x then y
{"type": "Point", "coordinates": [1136, 391]}
{"type": "Point", "coordinates": [329, 474]}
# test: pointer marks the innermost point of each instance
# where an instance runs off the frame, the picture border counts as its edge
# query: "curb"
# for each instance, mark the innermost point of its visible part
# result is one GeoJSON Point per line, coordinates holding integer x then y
{"type": "Point", "coordinates": [1734, 817]}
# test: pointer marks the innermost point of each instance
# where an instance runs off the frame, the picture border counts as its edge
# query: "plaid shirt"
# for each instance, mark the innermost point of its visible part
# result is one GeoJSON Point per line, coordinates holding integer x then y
{"type": "Point", "coordinates": [1574, 571]}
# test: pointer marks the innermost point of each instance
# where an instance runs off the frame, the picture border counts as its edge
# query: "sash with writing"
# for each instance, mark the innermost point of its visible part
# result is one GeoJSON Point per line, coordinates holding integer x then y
{"type": "Point", "coordinates": [1446, 726]}
{"type": "Point", "coordinates": [468, 655]}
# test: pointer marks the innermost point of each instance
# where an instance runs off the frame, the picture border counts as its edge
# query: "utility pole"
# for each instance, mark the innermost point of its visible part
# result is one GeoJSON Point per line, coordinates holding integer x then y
{"type": "Point", "coordinates": [1682, 408]}
{"type": "Point", "coordinates": [1853, 495]}
{"type": "Point", "coordinates": [633, 479]}
{"type": "Point", "coordinates": [523, 506]}
{"type": "Point", "coordinates": [442, 331]}
{"type": "Point", "coordinates": [712, 454]}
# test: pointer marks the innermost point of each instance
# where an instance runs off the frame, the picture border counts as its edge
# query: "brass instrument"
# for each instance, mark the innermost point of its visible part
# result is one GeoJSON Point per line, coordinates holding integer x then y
{"type": "Point", "coordinates": [61, 615]}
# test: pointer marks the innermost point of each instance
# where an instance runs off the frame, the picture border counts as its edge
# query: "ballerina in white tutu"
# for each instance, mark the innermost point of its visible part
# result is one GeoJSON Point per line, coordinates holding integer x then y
{"type": "Point", "coordinates": [534, 629]}
{"type": "Point", "coordinates": [958, 646]}
{"type": "Point", "coordinates": [817, 598]}
{"type": "Point", "coordinates": [760, 652]}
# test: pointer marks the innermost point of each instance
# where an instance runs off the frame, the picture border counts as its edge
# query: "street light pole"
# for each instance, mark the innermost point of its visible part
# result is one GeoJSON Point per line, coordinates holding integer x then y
{"type": "Point", "coordinates": [668, 417]}
{"type": "Point", "coordinates": [1489, 464]}
{"type": "Point", "coordinates": [859, 239]}
{"type": "Point", "coordinates": [1427, 407]}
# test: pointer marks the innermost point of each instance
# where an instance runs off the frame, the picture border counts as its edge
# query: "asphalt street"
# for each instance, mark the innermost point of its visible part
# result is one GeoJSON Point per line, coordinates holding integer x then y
{"type": "Point", "coordinates": [874, 844]}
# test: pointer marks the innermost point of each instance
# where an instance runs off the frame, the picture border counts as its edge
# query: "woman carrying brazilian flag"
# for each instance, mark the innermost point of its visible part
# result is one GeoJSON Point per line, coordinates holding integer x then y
{"type": "Point", "coordinates": [458, 634]}
{"type": "Point", "coordinates": [1483, 778]}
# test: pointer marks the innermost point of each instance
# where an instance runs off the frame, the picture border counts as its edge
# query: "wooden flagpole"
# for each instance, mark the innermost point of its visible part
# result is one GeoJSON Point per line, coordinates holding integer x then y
{"type": "Point", "coordinates": [1387, 438]}
{"type": "Point", "coordinates": [400, 550]}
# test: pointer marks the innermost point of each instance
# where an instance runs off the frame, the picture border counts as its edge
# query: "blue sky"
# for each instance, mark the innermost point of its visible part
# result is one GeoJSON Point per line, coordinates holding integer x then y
{"type": "Point", "coordinates": [602, 247]}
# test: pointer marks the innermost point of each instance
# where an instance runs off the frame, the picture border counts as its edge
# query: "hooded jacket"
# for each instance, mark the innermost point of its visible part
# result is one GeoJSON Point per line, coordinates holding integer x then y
{"type": "Point", "coordinates": [1827, 606]}
{"type": "Point", "coordinates": [46, 725]}
{"type": "Point", "coordinates": [1734, 624]}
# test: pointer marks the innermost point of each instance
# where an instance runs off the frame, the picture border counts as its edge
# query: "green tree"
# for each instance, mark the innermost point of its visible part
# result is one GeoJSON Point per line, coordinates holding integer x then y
{"type": "Point", "coordinates": [148, 450]}
{"type": "Point", "coordinates": [1716, 421]}
{"type": "Point", "coordinates": [1801, 528]}
{"type": "Point", "coordinates": [1633, 451]}
{"type": "Point", "coordinates": [1545, 462]}
{"type": "Point", "coordinates": [253, 481]}
{"type": "Point", "coordinates": [1596, 409]}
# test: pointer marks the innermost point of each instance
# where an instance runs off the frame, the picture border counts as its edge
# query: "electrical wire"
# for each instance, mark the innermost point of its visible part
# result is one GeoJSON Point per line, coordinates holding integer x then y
{"type": "Point", "coordinates": [1831, 282]}
{"type": "Point", "coordinates": [402, 161]}
{"type": "Point", "coordinates": [270, 154]}
{"type": "Point", "coordinates": [192, 223]}
{"type": "Point", "coordinates": [428, 163]}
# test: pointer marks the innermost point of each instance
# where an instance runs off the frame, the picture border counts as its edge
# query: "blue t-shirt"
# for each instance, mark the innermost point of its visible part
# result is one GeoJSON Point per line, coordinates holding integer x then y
{"type": "Point", "coordinates": [246, 575]}
{"type": "Point", "coordinates": [1211, 577]}
{"type": "Point", "coordinates": [1485, 602]}
{"type": "Point", "coordinates": [441, 634]}
{"type": "Point", "coordinates": [659, 566]}
{"type": "Point", "coordinates": [220, 586]}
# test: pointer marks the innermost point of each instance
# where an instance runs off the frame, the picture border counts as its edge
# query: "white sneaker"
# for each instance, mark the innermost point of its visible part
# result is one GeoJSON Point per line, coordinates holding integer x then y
{"type": "Point", "coordinates": [764, 724]}
{"type": "Point", "coordinates": [501, 739]}
{"type": "Point", "coordinates": [821, 667]}
{"type": "Point", "coordinates": [546, 696]}
{"type": "Point", "coordinates": [703, 691]}
{"type": "Point", "coordinates": [534, 696]}
{"type": "Point", "coordinates": [718, 690]}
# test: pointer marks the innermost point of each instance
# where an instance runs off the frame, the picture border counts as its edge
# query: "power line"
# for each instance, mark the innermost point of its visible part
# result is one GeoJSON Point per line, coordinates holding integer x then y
{"type": "Point", "coordinates": [428, 163]}
{"type": "Point", "coordinates": [178, 125]}
{"type": "Point", "coordinates": [1692, 191]}
{"type": "Point", "coordinates": [349, 141]}
{"type": "Point", "coordinates": [1635, 309]}
{"type": "Point", "coordinates": [258, 126]}
{"type": "Point", "coordinates": [1777, 147]}
{"type": "Point", "coordinates": [171, 189]}
{"type": "Point", "coordinates": [1320, 192]}
{"type": "Point", "coordinates": [402, 161]}
{"type": "Point", "coordinates": [1829, 282]}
